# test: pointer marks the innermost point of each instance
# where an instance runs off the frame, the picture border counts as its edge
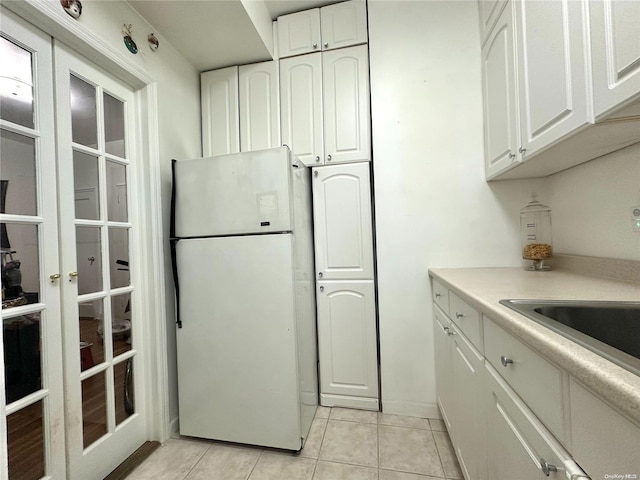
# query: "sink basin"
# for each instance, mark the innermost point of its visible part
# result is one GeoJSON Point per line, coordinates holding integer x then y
{"type": "Point", "coordinates": [610, 329]}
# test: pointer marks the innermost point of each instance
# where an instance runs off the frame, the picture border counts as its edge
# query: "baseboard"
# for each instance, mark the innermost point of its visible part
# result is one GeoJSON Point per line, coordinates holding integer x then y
{"type": "Point", "coordinates": [411, 409]}
{"type": "Point", "coordinates": [328, 400]}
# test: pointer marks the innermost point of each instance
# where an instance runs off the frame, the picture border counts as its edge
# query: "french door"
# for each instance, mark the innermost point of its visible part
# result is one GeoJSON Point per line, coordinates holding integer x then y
{"type": "Point", "coordinates": [72, 319]}
{"type": "Point", "coordinates": [31, 320]}
{"type": "Point", "coordinates": [96, 122]}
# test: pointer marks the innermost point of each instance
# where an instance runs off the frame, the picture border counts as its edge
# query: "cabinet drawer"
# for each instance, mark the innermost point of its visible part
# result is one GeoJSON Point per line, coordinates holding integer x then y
{"type": "Point", "coordinates": [518, 445]}
{"type": "Point", "coordinates": [440, 295]}
{"type": "Point", "coordinates": [467, 319]}
{"type": "Point", "coordinates": [538, 382]}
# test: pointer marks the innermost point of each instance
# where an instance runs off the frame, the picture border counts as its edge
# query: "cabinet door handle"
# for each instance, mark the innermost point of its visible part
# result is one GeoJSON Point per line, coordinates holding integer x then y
{"type": "Point", "coordinates": [459, 315]}
{"type": "Point", "coordinates": [522, 150]}
{"type": "Point", "coordinates": [315, 45]}
{"type": "Point", "coordinates": [320, 274]}
{"type": "Point", "coordinates": [317, 158]}
{"type": "Point", "coordinates": [546, 467]}
{"type": "Point", "coordinates": [505, 361]}
{"type": "Point", "coordinates": [315, 173]}
{"type": "Point", "coordinates": [322, 289]}
{"type": "Point", "coordinates": [512, 155]}
{"type": "Point", "coordinates": [438, 295]}
{"type": "Point", "coordinates": [329, 158]}
{"type": "Point", "coordinates": [326, 44]}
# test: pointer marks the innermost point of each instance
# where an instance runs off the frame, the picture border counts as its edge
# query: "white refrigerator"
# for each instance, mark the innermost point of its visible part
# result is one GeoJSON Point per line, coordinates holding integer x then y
{"type": "Point", "coordinates": [242, 246]}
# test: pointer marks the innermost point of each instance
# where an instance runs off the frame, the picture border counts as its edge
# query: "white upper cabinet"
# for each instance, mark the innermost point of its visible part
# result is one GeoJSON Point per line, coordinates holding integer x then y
{"type": "Point", "coordinates": [552, 82]}
{"type": "Point", "coordinates": [301, 107]}
{"type": "Point", "coordinates": [535, 91]}
{"type": "Point", "coordinates": [501, 123]}
{"type": "Point", "coordinates": [259, 106]}
{"type": "Point", "coordinates": [335, 26]}
{"type": "Point", "coordinates": [219, 98]}
{"type": "Point", "coordinates": [346, 105]}
{"type": "Point", "coordinates": [342, 222]}
{"type": "Point", "coordinates": [489, 11]}
{"type": "Point", "coordinates": [299, 33]}
{"type": "Point", "coordinates": [615, 51]}
{"type": "Point", "coordinates": [343, 24]}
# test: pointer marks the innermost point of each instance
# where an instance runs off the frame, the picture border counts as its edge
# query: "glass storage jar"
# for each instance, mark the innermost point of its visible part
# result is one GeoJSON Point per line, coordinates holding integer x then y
{"type": "Point", "coordinates": [535, 234]}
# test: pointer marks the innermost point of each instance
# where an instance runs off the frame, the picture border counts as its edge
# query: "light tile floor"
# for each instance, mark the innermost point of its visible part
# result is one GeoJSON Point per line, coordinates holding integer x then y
{"type": "Point", "coordinates": [343, 444]}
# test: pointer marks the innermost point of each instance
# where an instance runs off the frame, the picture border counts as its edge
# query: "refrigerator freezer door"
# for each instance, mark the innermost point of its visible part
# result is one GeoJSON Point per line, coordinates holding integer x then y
{"type": "Point", "coordinates": [241, 193]}
{"type": "Point", "coordinates": [237, 356]}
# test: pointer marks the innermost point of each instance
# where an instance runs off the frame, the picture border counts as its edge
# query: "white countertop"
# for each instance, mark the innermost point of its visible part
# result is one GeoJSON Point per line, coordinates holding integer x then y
{"type": "Point", "coordinates": [483, 288]}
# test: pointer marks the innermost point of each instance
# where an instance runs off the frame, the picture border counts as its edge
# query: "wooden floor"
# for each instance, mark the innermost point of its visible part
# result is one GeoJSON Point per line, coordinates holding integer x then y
{"type": "Point", "coordinates": [25, 441]}
{"type": "Point", "coordinates": [25, 428]}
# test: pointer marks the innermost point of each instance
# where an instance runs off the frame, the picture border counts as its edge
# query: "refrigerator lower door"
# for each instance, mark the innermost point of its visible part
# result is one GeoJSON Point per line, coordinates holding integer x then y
{"type": "Point", "coordinates": [237, 357]}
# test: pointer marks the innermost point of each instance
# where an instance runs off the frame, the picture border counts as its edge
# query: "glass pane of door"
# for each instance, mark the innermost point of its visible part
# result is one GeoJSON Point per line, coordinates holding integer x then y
{"type": "Point", "coordinates": [33, 398]}
{"type": "Point", "coordinates": [16, 84]}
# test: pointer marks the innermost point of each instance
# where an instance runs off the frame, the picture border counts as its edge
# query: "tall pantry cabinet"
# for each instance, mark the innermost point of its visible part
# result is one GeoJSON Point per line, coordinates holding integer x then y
{"type": "Point", "coordinates": [325, 114]}
{"type": "Point", "coordinates": [315, 99]}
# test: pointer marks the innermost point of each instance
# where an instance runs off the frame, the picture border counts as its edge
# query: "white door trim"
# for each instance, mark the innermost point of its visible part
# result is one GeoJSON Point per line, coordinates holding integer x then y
{"type": "Point", "coordinates": [49, 17]}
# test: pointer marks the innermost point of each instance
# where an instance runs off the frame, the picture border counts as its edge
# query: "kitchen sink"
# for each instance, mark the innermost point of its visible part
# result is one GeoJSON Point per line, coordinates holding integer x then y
{"type": "Point", "coordinates": [610, 329]}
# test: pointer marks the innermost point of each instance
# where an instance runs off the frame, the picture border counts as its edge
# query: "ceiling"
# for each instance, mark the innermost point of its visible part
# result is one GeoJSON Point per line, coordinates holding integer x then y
{"type": "Point", "coordinates": [218, 33]}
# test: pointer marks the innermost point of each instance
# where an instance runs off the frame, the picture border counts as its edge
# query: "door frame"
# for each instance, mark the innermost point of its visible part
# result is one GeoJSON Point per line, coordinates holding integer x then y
{"type": "Point", "coordinates": [49, 17]}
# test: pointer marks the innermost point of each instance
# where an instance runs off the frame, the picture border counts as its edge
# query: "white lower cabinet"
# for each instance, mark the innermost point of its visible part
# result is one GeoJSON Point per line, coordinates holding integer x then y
{"type": "Point", "coordinates": [596, 428]}
{"type": "Point", "coordinates": [459, 377]}
{"type": "Point", "coordinates": [487, 402]}
{"type": "Point", "coordinates": [518, 445]}
{"type": "Point", "coordinates": [467, 376]}
{"type": "Point", "coordinates": [347, 346]}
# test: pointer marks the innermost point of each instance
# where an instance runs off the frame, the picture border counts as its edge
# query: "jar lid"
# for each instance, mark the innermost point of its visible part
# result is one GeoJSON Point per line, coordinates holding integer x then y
{"type": "Point", "coordinates": [535, 206]}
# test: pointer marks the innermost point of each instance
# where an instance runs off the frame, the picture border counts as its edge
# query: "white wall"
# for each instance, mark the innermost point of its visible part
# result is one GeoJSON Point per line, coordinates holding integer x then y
{"type": "Point", "coordinates": [433, 206]}
{"type": "Point", "coordinates": [591, 206]}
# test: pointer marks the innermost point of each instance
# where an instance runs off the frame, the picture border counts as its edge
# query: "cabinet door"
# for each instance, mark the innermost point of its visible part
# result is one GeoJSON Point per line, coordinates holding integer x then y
{"type": "Point", "coordinates": [346, 105]}
{"type": "Point", "coordinates": [489, 11]}
{"type": "Point", "coordinates": [219, 97]}
{"type": "Point", "coordinates": [552, 81]}
{"type": "Point", "coordinates": [299, 33]}
{"type": "Point", "coordinates": [467, 371]}
{"type": "Point", "coordinates": [343, 24]}
{"type": "Point", "coordinates": [259, 106]}
{"type": "Point", "coordinates": [442, 347]}
{"type": "Point", "coordinates": [301, 107]}
{"type": "Point", "coordinates": [499, 95]}
{"type": "Point", "coordinates": [615, 52]}
{"type": "Point", "coordinates": [342, 222]}
{"type": "Point", "coordinates": [347, 339]}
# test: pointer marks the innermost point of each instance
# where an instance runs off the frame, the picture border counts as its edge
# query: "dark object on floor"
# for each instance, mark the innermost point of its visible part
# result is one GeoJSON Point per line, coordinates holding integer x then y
{"type": "Point", "coordinates": [136, 458]}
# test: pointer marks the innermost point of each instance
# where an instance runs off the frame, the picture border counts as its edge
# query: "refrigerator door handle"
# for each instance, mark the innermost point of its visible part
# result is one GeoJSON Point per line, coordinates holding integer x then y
{"type": "Point", "coordinates": [173, 242]}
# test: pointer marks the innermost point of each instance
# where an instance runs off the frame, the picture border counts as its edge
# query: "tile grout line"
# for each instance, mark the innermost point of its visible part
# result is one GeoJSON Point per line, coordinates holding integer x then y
{"type": "Point", "coordinates": [197, 461]}
{"type": "Point", "coordinates": [255, 464]}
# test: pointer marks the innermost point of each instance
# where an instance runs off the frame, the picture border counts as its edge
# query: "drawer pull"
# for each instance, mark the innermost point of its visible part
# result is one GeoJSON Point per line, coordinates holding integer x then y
{"type": "Point", "coordinates": [547, 468]}
{"type": "Point", "coordinates": [505, 361]}
{"type": "Point", "coordinates": [438, 295]}
{"type": "Point", "coordinates": [459, 315]}
{"type": "Point", "coordinates": [449, 331]}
